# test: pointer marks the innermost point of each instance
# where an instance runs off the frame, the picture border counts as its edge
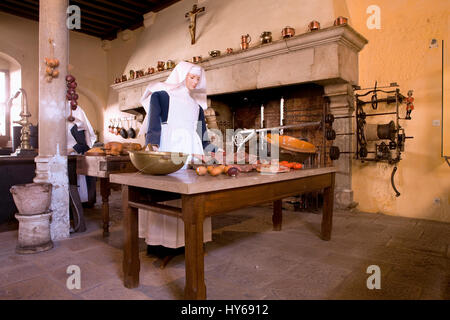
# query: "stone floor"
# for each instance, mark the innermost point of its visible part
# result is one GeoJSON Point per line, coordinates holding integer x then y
{"type": "Point", "coordinates": [247, 260]}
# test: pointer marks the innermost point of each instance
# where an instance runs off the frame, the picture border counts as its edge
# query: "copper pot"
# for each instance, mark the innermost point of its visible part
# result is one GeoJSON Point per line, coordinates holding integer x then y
{"type": "Point", "coordinates": [170, 64]}
{"type": "Point", "coordinates": [340, 21]}
{"type": "Point", "coordinates": [266, 37]}
{"type": "Point", "coordinates": [160, 65]}
{"type": "Point", "coordinates": [214, 53]}
{"type": "Point", "coordinates": [287, 32]}
{"type": "Point", "coordinates": [314, 25]}
{"type": "Point", "coordinates": [229, 50]}
{"type": "Point", "coordinates": [197, 59]}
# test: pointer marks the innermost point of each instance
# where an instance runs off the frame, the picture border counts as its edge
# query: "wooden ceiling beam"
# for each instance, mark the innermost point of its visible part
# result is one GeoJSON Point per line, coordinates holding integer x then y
{"type": "Point", "coordinates": [96, 13]}
{"type": "Point", "coordinates": [88, 32]}
{"type": "Point", "coordinates": [141, 4]}
{"type": "Point", "coordinates": [23, 12]}
{"type": "Point", "coordinates": [162, 5]}
{"type": "Point", "coordinates": [82, 3]}
{"type": "Point", "coordinates": [23, 4]}
{"type": "Point", "coordinates": [94, 26]}
{"type": "Point", "coordinates": [14, 12]}
{"type": "Point", "coordinates": [99, 21]}
{"type": "Point", "coordinates": [115, 4]}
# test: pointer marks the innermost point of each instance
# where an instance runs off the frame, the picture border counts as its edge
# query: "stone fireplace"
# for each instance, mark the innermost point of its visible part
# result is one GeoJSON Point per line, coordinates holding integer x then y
{"type": "Point", "coordinates": [310, 71]}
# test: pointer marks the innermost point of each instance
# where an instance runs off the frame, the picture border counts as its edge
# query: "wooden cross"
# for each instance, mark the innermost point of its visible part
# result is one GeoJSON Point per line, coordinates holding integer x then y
{"type": "Point", "coordinates": [192, 15]}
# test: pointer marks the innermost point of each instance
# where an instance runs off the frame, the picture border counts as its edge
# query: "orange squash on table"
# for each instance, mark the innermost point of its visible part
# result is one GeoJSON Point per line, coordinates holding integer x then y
{"type": "Point", "coordinates": [114, 148]}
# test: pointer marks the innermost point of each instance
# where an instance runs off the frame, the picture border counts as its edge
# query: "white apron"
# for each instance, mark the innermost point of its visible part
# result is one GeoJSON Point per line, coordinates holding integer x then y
{"type": "Point", "coordinates": [82, 123]}
{"type": "Point", "coordinates": [177, 135]}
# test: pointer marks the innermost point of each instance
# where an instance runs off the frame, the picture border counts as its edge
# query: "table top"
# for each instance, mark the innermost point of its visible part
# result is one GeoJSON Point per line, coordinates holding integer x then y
{"type": "Point", "coordinates": [188, 182]}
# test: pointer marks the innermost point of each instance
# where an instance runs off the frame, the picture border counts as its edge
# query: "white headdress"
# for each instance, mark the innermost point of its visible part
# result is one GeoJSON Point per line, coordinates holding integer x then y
{"type": "Point", "coordinates": [176, 79]}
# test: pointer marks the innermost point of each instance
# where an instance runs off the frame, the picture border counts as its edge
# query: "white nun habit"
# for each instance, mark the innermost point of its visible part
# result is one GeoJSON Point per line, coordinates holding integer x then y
{"type": "Point", "coordinates": [82, 122]}
{"type": "Point", "coordinates": [177, 135]}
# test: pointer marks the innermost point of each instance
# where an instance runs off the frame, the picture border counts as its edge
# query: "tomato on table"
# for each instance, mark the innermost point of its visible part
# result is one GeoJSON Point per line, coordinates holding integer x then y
{"type": "Point", "coordinates": [298, 166]}
{"type": "Point", "coordinates": [289, 165]}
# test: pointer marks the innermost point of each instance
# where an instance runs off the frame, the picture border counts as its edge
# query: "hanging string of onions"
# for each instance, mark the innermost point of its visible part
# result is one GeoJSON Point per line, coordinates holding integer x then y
{"type": "Point", "coordinates": [71, 95]}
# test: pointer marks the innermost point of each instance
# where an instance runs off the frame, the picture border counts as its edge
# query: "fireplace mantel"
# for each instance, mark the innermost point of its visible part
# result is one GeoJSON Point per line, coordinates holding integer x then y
{"type": "Point", "coordinates": [327, 56]}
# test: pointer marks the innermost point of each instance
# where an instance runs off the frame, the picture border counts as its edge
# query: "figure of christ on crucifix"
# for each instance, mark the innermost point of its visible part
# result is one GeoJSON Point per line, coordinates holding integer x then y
{"type": "Point", "coordinates": [192, 15]}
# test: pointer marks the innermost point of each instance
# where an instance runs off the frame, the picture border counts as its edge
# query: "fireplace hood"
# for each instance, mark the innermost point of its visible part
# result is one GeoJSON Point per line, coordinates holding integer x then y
{"type": "Point", "coordinates": [327, 57]}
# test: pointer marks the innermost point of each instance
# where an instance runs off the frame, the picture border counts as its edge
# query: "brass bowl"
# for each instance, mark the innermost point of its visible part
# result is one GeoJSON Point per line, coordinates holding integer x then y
{"type": "Point", "coordinates": [157, 163]}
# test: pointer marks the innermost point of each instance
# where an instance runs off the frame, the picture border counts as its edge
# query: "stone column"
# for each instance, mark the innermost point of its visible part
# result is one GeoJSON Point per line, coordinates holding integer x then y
{"type": "Point", "coordinates": [341, 104]}
{"type": "Point", "coordinates": [51, 163]}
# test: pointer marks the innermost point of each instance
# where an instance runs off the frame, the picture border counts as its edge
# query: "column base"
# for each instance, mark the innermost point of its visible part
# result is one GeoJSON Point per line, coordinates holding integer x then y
{"type": "Point", "coordinates": [344, 199]}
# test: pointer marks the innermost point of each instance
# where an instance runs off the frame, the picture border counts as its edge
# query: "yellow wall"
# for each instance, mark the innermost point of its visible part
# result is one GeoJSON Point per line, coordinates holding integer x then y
{"type": "Point", "coordinates": [400, 52]}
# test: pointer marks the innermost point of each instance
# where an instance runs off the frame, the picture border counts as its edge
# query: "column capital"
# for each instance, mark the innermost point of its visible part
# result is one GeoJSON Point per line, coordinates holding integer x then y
{"type": "Point", "coordinates": [149, 19]}
{"type": "Point", "coordinates": [341, 98]}
{"type": "Point", "coordinates": [126, 34]}
{"type": "Point", "coordinates": [106, 45]}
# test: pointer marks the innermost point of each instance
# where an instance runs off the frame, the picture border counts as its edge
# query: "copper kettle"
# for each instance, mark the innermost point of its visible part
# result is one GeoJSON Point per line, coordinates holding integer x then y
{"type": "Point", "coordinates": [245, 40]}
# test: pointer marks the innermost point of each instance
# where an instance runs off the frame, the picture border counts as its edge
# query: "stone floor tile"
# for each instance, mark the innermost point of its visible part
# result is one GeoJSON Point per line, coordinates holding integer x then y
{"type": "Point", "coordinates": [39, 288]}
{"type": "Point", "coordinates": [247, 259]}
{"type": "Point", "coordinates": [426, 246]}
{"type": "Point", "coordinates": [113, 289]}
{"type": "Point", "coordinates": [424, 277]}
{"type": "Point", "coordinates": [354, 287]}
{"type": "Point", "coordinates": [19, 273]}
{"type": "Point", "coordinates": [91, 276]}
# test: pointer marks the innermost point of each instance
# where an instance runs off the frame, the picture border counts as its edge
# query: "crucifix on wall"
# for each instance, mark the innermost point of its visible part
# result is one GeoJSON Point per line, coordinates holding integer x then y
{"type": "Point", "coordinates": [192, 15]}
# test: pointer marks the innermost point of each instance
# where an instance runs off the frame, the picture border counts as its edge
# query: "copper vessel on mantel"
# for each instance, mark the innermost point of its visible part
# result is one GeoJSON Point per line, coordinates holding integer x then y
{"type": "Point", "coordinates": [214, 53]}
{"type": "Point", "coordinates": [170, 64]}
{"type": "Point", "coordinates": [340, 21]}
{"type": "Point", "coordinates": [245, 40]}
{"type": "Point", "coordinates": [314, 25]}
{"type": "Point", "coordinates": [287, 32]}
{"type": "Point", "coordinates": [161, 65]}
{"type": "Point", "coordinates": [266, 37]}
{"type": "Point", "coordinates": [197, 59]}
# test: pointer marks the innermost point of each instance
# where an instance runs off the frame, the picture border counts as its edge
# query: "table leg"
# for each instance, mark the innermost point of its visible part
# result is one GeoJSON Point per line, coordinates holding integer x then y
{"type": "Point", "coordinates": [277, 216]}
{"type": "Point", "coordinates": [192, 210]}
{"type": "Point", "coordinates": [105, 191]}
{"type": "Point", "coordinates": [131, 263]}
{"type": "Point", "coordinates": [327, 215]}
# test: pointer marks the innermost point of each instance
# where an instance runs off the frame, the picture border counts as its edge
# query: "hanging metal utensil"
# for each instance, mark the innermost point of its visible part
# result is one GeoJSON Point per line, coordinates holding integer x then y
{"type": "Point", "coordinates": [131, 132]}
{"type": "Point", "coordinates": [123, 131]}
{"type": "Point", "coordinates": [111, 126]}
{"type": "Point", "coordinates": [116, 128]}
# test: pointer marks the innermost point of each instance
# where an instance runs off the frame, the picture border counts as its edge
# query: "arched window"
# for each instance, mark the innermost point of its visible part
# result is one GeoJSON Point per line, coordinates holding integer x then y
{"type": "Point", "coordinates": [4, 96]}
{"type": "Point", "coordinates": [10, 83]}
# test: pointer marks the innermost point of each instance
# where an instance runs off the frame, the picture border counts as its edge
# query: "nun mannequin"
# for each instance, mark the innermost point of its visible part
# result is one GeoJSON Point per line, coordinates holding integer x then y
{"type": "Point", "coordinates": [175, 122]}
{"type": "Point", "coordinates": [80, 138]}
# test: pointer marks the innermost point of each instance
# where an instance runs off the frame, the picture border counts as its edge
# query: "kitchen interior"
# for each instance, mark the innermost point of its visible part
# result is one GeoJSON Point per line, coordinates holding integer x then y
{"type": "Point", "coordinates": [311, 77]}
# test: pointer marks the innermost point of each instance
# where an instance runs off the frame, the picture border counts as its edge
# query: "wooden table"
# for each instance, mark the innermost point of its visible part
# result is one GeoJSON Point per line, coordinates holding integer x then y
{"type": "Point", "coordinates": [101, 167]}
{"type": "Point", "coordinates": [204, 196]}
